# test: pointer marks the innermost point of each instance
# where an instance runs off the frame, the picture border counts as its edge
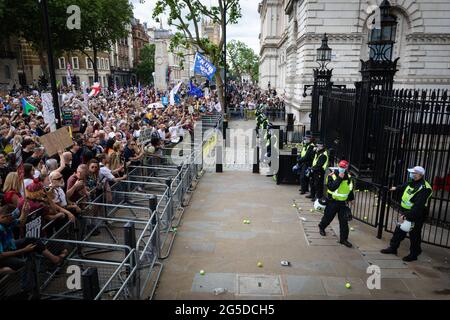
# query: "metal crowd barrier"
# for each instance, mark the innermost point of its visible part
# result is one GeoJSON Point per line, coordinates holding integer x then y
{"type": "Point", "coordinates": [138, 216]}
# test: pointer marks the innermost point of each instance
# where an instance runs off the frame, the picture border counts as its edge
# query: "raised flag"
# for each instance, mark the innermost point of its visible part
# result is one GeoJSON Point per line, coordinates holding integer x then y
{"type": "Point", "coordinates": [195, 91]}
{"type": "Point", "coordinates": [69, 74]}
{"type": "Point", "coordinates": [203, 67]}
{"type": "Point", "coordinates": [27, 107]}
{"type": "Point", "coordinates": [173, 92]}
{"type": "Point", "coordinates": [95, 90]}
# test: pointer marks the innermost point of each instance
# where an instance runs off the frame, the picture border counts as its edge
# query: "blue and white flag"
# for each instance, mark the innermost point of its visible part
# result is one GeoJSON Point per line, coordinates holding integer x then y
{"type": "Point", "coordinates": [195, 91]}
{"type": "Point", "coordinates": [203, 67]}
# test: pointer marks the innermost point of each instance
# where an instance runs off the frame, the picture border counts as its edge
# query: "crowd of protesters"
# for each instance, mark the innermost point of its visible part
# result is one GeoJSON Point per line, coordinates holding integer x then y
{"type": "Point", "coordinates": [245, 98]}
{"type": "Point", "coordinates": [105, 141]}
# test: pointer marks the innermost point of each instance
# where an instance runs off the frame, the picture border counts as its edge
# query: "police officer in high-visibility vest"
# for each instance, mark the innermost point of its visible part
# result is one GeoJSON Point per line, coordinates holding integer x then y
{"type": "Point", "coordinates": [340, 191]}
{"type": "Point", "coordinates": [319, 166]}
{"type": "Point", "coordinates": [414, 207]}
{"type": "Point", "coordinates": [305, 162]}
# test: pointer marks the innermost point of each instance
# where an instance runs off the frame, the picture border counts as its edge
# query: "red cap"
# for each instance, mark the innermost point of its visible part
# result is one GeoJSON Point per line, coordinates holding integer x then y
{"type": "Point", "coordinates": [343, 164]}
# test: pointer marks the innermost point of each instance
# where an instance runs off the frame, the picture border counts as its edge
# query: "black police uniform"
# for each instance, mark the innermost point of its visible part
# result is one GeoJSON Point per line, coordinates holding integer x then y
{"type": "Point", "coordinates": [416, 214]}
{"type": "Point", "coordinates": [318, 174]}
{"type": "Point", "coordinates": [304, 163]}
{"type": "Point", "coordinates": [339, 207]}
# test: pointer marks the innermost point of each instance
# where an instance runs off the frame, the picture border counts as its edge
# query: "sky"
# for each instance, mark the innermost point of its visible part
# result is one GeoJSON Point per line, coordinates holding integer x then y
{"type": "Point", "coordinates": [247, 29]}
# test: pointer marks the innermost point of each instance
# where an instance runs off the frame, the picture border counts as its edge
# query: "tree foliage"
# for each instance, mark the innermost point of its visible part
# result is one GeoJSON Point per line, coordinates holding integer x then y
{"type": "Point", "coordinates": [146, 67]}
{"type": "Point", "coordinates": [102, 23]}
{"type": "Point", "coordinates": [242, 60]}
{"type": "Point", "coordinates": [186, 16]}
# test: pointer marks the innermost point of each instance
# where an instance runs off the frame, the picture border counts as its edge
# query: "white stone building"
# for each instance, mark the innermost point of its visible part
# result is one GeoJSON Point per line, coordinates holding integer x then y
{"type": "Point", "coordinates": [291, 31]}
{"type": "Point", "coordinates": [180, 68]}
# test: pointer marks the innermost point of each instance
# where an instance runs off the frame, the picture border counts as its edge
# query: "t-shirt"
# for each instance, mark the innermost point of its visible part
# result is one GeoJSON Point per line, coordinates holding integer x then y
{"type": "Point", "coordinates": [106, 173]}
{"type": "Point", "coordinates": [77, 194]}
{"type": "Point", "coordinates": [60, 197]}
{"type": "Point", "coordinates": [66, 173]}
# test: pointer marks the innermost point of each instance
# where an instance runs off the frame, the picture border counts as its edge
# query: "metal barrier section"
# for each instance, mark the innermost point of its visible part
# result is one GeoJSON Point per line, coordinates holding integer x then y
{"type": "Point", "coordinates": [137, 219]}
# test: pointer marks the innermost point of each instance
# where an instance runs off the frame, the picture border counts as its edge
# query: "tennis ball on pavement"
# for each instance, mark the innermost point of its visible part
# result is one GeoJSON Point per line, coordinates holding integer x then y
{"type": "Point", "coordinates": [311, 210]}
{"type": "Point", "coordinates": [348, 285]}
{"type": "Point", "coordinates": [202, 272]}
{"type": "Point", "coordinates": [248, 221]}
{"type": "Point", "coordinates": [174, 229]}
{"type": "Point", "coordinates": [294, 205]}
{"type": "Point", "coordinates": [365, 218]}
{"type": "Point", "coordinates": [352, 229]}
{"type": "Point", "coordinates": [260, 265]}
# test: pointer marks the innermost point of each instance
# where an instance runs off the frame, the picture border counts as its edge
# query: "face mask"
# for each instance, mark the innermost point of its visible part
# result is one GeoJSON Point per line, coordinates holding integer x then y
{"type": "Point", "coordinates": [411, 176]}
{"type": "Point", "coordinates": [341, 170]}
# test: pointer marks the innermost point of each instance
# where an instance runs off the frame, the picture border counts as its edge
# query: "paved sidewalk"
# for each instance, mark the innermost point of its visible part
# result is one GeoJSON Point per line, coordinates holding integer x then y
{"type": "Point", "coordinates": [214, 238]}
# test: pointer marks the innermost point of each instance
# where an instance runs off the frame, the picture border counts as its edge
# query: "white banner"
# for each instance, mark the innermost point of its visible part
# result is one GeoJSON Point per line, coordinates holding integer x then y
{"type": "Point", "coordinates": [48, 110]}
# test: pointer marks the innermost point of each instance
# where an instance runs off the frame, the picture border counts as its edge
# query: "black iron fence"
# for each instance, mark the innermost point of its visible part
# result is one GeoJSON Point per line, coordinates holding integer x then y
{"type": "Point", "coordinates": [384, 135]}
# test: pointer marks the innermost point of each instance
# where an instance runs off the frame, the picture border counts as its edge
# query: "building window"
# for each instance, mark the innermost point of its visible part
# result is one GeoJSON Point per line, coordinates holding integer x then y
{"type": "Point", "coordinates": [91, 81]}
{"type": "Point", "coordinates": [98, 63]}
{"type": "Point", "coordinates": [107, 64]}
{"type": "Point", "coordinates": [62, 63]}
{"type": "Point", "coordinates": [75, 63]}
{"type": "Point", "coordinates": [7, 72]}
{"type": "Point", "coordinates": [103, 63]}
{"type": "Point", "coordinates": [89, 64]}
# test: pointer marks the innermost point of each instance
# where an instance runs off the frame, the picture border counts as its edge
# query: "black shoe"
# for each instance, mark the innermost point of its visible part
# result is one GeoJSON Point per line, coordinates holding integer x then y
{"type": "Point", "coordinates": [322, 232]}
{"type": "Point", "coordinates": [313, 199]}
{"type": "Point", "coordinates": [389, 250]}
{"type": "Point", "coordinates": [309, 197]}
{"type": "Point", "coordinates": [302, 192]}
{"type": "Point", "coordinates": [346, 243]}
{"type": "Point", "coordinates": [410, 258]}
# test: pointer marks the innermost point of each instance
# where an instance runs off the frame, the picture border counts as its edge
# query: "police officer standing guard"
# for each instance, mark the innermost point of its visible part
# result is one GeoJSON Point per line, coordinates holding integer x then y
{"type": "Point", "coordinates": [415, 199]}
{"type": "Point", "coordinates": [305, 162]}
{"type": "Point", "coordinates": [340, 190]}
{"type": "Point", "coordinates": [319, 166]}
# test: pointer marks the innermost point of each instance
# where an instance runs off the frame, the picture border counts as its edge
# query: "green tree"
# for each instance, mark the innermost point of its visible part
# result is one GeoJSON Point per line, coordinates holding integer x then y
{"type": "Point", "coordinates": [186, 17]}
{"type": "Point", "coordinates": [146, 67]}
{"type": "Point", "coordinates": [25, 19]}
{"type": "Point", "coordinates": [243, 60]}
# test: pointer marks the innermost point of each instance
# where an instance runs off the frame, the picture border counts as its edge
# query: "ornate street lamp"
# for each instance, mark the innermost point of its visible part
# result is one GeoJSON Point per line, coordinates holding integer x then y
{"type": "Point", "coordinates": [382, 37]}
{"type": "Point", "coordinates": [323, 56]}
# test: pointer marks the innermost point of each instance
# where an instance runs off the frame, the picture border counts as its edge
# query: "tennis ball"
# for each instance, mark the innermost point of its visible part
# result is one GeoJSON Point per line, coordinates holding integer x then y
{"type": "Point", "coordinates": [202, 272]}
{"type": "Point", "coordinates": [348, 285]}
{"type": "Point", "coordinates": [294, 205]}
{"type": "Point", "coordinates": [352, 229]}
{"type": "Point", "coordinates": [174, 229]}
{"type": "Point", "coordinates": [248, 221]}
{"type": "Point", "coordinates": [260, 265]}
{"type": "Point", "coordinates": [311, 210]}
{"type": "Point", "coordinates": [365, 218]}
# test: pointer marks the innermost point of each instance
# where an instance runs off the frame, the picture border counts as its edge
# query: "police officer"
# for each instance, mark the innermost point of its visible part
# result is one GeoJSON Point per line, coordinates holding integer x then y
{"type": "Point", "coordinates": [340, 190]}
{"type": "Point", "coordinates": [305, 162]}
{"type": "Point", "coordinates": [415, 200]}
{"type": "Point", "coordinates": [319, 166]}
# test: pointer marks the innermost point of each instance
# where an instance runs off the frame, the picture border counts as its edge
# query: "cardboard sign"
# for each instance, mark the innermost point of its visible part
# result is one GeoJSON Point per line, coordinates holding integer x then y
{"type": "Point", "coordinates": [58, 140]}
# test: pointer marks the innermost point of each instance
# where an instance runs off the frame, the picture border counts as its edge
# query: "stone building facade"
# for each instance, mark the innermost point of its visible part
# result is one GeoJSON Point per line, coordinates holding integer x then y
{"type": "Point", "coordinates": [170, 68]}
{"type": "Point", "coordinates": [291, 31]}
{"type": "Point", "coordinates": [140, 39]}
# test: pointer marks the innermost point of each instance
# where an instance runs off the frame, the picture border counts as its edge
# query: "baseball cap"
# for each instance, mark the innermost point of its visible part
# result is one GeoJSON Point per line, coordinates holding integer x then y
{"type": "Point", "coordinates": [417, 169]}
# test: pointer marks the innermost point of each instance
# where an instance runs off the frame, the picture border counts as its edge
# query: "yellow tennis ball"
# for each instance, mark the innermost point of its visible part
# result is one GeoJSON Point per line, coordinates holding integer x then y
{"type": "Point", "coordinates": [202, 272]}
{"type": "Point", "coordinates": [260, 265]}
{"type": "Point", "coordinates": [352, 229]}
{"type": "Point", "coordinates": [348, 285]}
